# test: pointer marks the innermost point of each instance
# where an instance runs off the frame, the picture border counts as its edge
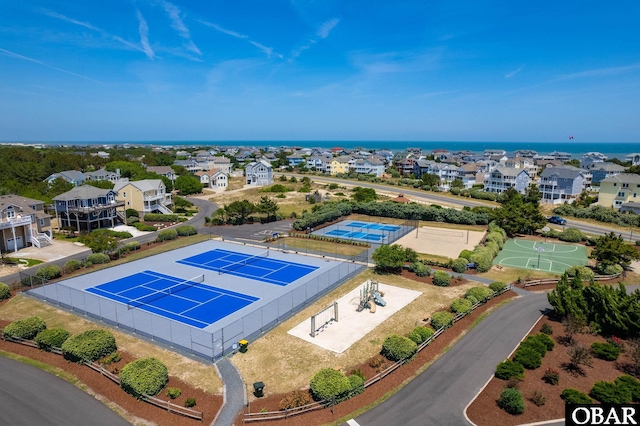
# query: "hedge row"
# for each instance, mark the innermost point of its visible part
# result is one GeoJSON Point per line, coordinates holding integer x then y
{"type": "Point", "coordinates": [51, 338]}
{"type": "Point", "coordinates": [598, 213]}
{"type": "Point", "coordinates": [26, 328]}
{"type": "Point", "coordinates": [90, 345]}
{"type": "Point", "coordinates": [154, 217]}
{"type": "Point", "coordinates": [186, 230]}
{"type": "Point", "coordinates": [167, 234]}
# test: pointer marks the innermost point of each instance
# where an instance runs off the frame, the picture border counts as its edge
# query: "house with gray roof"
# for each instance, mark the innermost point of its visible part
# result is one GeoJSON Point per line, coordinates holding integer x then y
{"type": "Point", "coordinates": [86, 208]}
{"type": "Point", "coordinates": [561, 184]}
{"type": "Point", "coordinates": [102, 174]}
{"type": "Point", "coordinates": [259, 173]}
{"type": "Point", "coordinates": [369, 166]}
{"type": "Point", "coordinates": [74, 177]}
{"type": "Point", "coordinates": [601, 171]}
{"type": "Point", "coordinates": [23, 223]}
{"type": "Point", "coordinates": [165, 171]}
{"type": "Point", "coordinates": [502, 178]}
{"type": "Point", "coordinates": [633, 158]}
{"type": "Point", "coordinates": [144, 196]}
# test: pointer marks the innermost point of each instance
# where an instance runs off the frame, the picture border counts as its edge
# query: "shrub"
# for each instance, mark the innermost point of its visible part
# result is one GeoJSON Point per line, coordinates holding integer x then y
{"type": "Point", "coordinates": [497, 286]}
{"type": "Point", "coordinates": [583, 272]}
{"type": "Point", "coordinates": [461, 306]}
{"type": "Point", "coordinates": [111, 358]}
{"type": "Point", "coordinates": [528, 357]}
{"type": "Point", "coordinates": [295, 399]}
{"type": "Point", "coordinates": [632, 383]}
{"type": "Point", "coordinates": [538, 398]}
{"type": "Point", "coordinates": [144, 376]}
{"type": "Point", "coordinates": [154, 217]}
{"type": "Point", "coordinates": [167, 234]}
{"type": "Point", "coordinates": [536, 345]}
{"type": "Point", "coordinates": [472, 299]}
{"type": "Point", "coordinates": [459, 265]}
{"type": "Point", "coordinates": [26, 328]}
{"type": "Point", "coordinates": [132, 220]}
{"type": "Point", "coordinates": [545, 340]}
{"type": "Point", "coordinates": [610, 393]}
{"type": "Point", "coordinates": [51, 337]}
{"type": "Point", "coordinates": [144, 227]}
{"type": "Point", "coordinates": [571, 235]}
{"type": "Point", "coordinates": [610, 269]}
{"type": "Point", "coordinates": [551, 376]}
{"type": "Point", "coordinates": [132, 245]}
{"type": "Point", "coordinates": [173, 393]}
{"type": "Point", "coordinates": [72, 265]}
{"type": "Point", "coordinates": [546, 329]}
{"type": "Point", "coordinates": [441, 279]}
{"type": "Point", "coordinates": [190, 402]}
{"type": "Point", "coordinates": [466, 254]}
{"type": "Point", "coordinates": [511, 401]}
{"type": "Point", "coordinates": [49, 272]}
{"type": "Point", "coordinates": [5, 292]}
{"type": "Point", "coordinates": [186, 230]}
{"type": "Point", "coordinates": [131, 213]}
{"type": "Point", "coordinates": [357, 384]}
{"type": "Point", "coordinates": [420, 334]}
{"type": "Point", "coordinates": [420, 269]}
{"type": "Point", "coordinates": [508, 369]}
{"type": "Point", "coordinates": [397, 348]}
{"type": "Point", "coordinates": [574, 396]}
{"type": "Point", "coordinates": [442, 319]}
{"type": "Point", "coordinates": [98, 258]}
{"type": "Point", "coordinates": [480, 293]}
{"type": "Point", "coordinates": [606, 351]}
{"type": "Point", "coordinates": [328, 383]}
{"type": "Point", "coordinates": [90, 345]}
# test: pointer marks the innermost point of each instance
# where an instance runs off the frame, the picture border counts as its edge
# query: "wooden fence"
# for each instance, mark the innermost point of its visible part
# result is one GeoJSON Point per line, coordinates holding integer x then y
{"type": "Point", "coordinates": [173, 408]}
{"type": "Point", "coordinates": [596, 278]}
{"type": "Point", "coordinates": [283, 414]}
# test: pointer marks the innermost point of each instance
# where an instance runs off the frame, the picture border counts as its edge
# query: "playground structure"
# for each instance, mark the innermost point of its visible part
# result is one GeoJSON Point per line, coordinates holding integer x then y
{"type": "Point", "coordinates": [323, 318]}
{"type": "Point", "coordinates": [370, 296]}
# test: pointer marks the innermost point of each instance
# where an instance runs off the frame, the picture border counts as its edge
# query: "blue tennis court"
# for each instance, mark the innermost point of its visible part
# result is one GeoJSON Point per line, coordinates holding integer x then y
{"type": "Point", "coordinates": [374, 226]}
{"type": "Point", "coordinates": [257, 267]}
{"type": "Point", "coordinates": [355, 235]}
{"type": "Point", "coordinates": [187, 301]}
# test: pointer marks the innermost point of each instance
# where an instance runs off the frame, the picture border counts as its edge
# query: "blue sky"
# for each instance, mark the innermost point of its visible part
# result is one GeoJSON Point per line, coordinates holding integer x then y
{"type": "Point", "coordinates": [127, 70]}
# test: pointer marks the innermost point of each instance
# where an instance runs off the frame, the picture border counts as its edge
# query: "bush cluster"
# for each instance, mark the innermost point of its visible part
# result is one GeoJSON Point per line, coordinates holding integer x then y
{"type": "Point", "coordinates": [461, 306]}
{"type": "Point", "coordinates": [582, 272]}
{"type": "Point", "coordinates": [186, 230]}
{"type": "Point", "coordinates": [632, 384]}
{"type": "Point", "coordinates": [497, 286]}
{"type": "Point", "coordinates": [441, 279]}
{"type": "Point", "coordinates": [398, 348]}
{"type": "Point", "coordinates": [144, 227]}
{"type": "Point", "coordinates": [173, 393]}
{"type": "Point", "coordinates": [551, 376]}
{"type": "Point", "coordinates": [606, 351]}
{"type": "Point", "coordinates": [611, 393]}
{"type": "Point", "coordinates": [420, 334]}
{"type": "Point", "coordinates": [167, 234]}
{"type": "Point", "coordinates": [90, 345]}
{"type": "Point", "coordinates": [5, 292]}
{"type": "Point", "coordinates": [479, 293]}
{"type": "Point", "coordinates": [328, 383]}
{"type": "Point", "coordinates": [49, 272]}
{"type": "Point", "coordinates": [459, 265]}
{"type": "Point", "coordinates": [144, 376]}
{"type": "Point", "coordinates": [574, 396]}
{"type": "Point", "coordinates": [154, 217]}
{"type": "Point", "coordinates": [508, 369]}
{"type": "Point", "coordinates": [132, 246]}
{"type": "Point", "coordinates": [442, 319]}
{"type": "Point", "coordinates": [614, 269]}
{"type": "Point", "coordinates": [420, 269]}
{"type": "Point", "coordinates": [98, 259]}
{"type": "Point", "coordinates": [26, 328]}
{"type": "Point", "coordinates": [295, 399]}
{"type": "Point", "coordinates": [51, 338]}
{"type": "Point", "coordinates": [571, 235]}
{"type": "Point", "coordinates": [511, 401]}
{"type": "Point", "coordinates": [357, 384]}
{"type": "Point", "coordinates": [528, 357]}
{"type": "Point", "coordinates": [599, 213]}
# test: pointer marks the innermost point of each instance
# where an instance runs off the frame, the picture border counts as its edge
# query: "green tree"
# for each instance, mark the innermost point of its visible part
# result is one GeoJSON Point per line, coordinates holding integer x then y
{"type": "Point", "coordinates": [389, 259]}
{"type": "Point", "coordinates": [238, 211]}
{"type": "Point", "coordinates": [573, 162]}
{"type": "Point", "coordinates": [100, 241]}
{"type": "Point", "coordinates": [103, 184]}
{"type": "Point", "coordinates": [267, 206]}
{"type": "Point", "coordinates": [429, 179]}
{"type": "Point", "coordinates": [457, 183]}
{"type": "Point", "coordinates": [128, 169]}
{"type": "Point", "coordinates": [518, 214]}
{"type": "Point", "coordinates": [188, 184]}
{"type": "Point", "coordinates": [611, 249]}
{"type": "Point", "coordinates": [364, 195]}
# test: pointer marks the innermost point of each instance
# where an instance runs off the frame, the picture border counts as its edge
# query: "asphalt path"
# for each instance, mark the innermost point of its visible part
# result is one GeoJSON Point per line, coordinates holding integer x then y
{"type": "Point", "coordinates": [30, 396]}
{"type": "Point", "coordinates": [440, 394]}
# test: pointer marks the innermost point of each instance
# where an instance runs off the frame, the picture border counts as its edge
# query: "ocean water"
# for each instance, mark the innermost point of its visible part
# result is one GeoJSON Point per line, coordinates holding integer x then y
{"type": "Point", "coordinates": [618, 149]}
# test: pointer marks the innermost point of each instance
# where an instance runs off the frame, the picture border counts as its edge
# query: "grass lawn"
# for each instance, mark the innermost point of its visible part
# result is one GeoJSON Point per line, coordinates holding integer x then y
{"type": "Point", "coordinates": [304, 244]}
{"type": "Point", "coordinates": [285, 362]}
{"type": "Point", "coordinates": [198, 374]}
{"type": "Point", "coordinates": [29, 262]}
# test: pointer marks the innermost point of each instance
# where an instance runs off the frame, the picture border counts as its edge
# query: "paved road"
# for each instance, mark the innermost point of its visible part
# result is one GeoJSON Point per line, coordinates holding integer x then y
{"type": "Point", "coordinates": [440, 394]}
{"type": "Point", "coordinates": [29, 396]}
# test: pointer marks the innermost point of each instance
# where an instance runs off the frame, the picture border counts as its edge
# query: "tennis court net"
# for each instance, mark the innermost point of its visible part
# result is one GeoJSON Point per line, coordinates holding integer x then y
{"type": "Point", "coordinates": [243, 262]}
{"type": "Point", "coordinates": [176, 288]}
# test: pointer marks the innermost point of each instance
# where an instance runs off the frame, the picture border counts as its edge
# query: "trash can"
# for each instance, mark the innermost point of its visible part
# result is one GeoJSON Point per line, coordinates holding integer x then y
{"type": "Point", "coordinates": [258, 389]}
{"type": "Point", "coordinates": [244, 345]}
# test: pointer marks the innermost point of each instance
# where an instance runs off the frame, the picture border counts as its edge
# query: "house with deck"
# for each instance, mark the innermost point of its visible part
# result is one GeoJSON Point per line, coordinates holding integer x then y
{"type": "Point", "coordinates": [23, 223]}
{"type": "Point", "coordinates": [259, 173]}
{"type": "Point", "coordinates": [619, 190]}
{"type": "Point", "coordinates": [144, 196]}
{"type": "Point", "coordinates": [86, 208]}
{"type": "Point", "coordinates": [502, 178]}
{"type": "Point", "coordinates": [213, 179]}
{"type": "Point", "coordinates": [561, 184]}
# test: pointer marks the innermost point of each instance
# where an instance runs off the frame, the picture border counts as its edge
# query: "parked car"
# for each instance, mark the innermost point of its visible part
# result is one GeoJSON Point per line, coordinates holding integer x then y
{"type": "Point", "coordinates": [557, 220]}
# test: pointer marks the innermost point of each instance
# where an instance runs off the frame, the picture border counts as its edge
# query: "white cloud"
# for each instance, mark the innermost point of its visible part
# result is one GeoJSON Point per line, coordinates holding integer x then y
{"type": "Point", "coordinates": [323, 32]}
{"type": "Point", "coordinates": [514, 72]}
{"type": "Point", "coordinates": [143, 29]}
{"type": "Point", "coordinates": [177, 24]}
{"type": "Point", "coordinates": [36, 61]}
{"type": "Point", "coordinates": [269, 51]}
{"type": "Point", "coordinates": [603, 72]}
{"type": "Point", "coordinates": [326, 28]}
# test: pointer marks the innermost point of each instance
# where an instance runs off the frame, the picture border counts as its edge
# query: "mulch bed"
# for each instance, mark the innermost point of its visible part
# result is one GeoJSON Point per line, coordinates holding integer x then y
{"type": "Point", "coordinates": [455, 281]}
{"type": "Point", "coordinates": [485, 411]}
{"type": "Point", "coordinates": [377, 390]}
{"type": "Point", "coordinates": [105, 389]}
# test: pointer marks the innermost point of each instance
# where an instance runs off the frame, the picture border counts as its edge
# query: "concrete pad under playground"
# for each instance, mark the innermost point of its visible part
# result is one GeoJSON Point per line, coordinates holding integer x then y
{"type": "Point", "coordinates": [352, 325]}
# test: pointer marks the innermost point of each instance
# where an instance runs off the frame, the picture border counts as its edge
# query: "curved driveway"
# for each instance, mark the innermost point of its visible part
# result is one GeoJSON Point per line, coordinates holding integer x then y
{"type": "Point", "coordinates": [440, 394]}
{"type": "Point", "coordinates": [29, 396]}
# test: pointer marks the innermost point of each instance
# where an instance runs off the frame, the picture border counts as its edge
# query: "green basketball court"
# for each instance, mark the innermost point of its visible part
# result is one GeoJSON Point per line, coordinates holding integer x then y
{"type": "Point", "coordinates": [549, 257]}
